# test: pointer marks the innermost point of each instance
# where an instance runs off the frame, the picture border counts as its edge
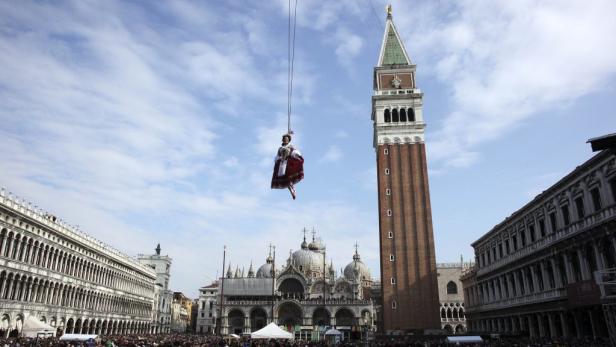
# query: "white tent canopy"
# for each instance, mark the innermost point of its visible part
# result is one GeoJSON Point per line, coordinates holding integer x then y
{"type": "Point", "coordinates": [77, 337]}
{"type": "Point", "coordinates": [33, 327]}
{"type": "Point", "coordinates": [271, 331]}
{"type": "Point", "coordinates": [464, 339]}
{"type": "Point", "coordinates": [333, 332]}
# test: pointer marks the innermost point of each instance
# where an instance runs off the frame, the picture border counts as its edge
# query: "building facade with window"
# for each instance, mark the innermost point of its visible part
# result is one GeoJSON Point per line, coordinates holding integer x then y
{"type": "Point", "coordinates": [163, 297]}
{"type": "Point", "coordinates": [453, 319]}
{"type": "Point", "coordinates": [53, 273]}
{"type": "Point", "coordinates": [181, 309]}
{"type": "Point", "coordinates": [206, 312]}
{"type": "Point", "coordinates": [534, 270]}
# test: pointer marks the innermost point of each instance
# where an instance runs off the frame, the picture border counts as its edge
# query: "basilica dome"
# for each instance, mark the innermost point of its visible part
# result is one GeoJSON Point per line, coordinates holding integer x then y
{"type": "Point", "coordinates": [307, 260]}
{"type": "Point", "coordinates": [265, 271]}
{"type": "Point", "coordinates": [357, 266]}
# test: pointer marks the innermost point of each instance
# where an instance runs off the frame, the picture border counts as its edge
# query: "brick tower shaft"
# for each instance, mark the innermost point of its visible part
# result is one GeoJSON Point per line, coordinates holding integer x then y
{"type": "Point", "coordinates": [408, 265]}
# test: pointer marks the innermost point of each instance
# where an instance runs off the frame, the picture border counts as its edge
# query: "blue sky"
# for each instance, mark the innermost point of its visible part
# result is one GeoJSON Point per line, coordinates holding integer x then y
{"type": "Point", "coordinates": [146, 122]}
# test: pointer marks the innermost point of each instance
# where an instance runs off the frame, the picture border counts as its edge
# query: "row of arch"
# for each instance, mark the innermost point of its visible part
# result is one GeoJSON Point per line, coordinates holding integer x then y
{"type": "Point", "coordinates": [32, 289]}
{"type": "Point", "coordinates": [290, 314]}
{"type": "Point", "coordinates": [12, 326]}
{"type": "Point", "coordinates": [452, 313]}
{"type": "Point", "coordinates": [29, 250]}
{"type": "Point", "coordinates": [399, 115]}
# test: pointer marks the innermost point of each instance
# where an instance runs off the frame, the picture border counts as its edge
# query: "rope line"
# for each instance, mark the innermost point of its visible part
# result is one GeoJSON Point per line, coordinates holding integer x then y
{"type": "Point", "coordinates": [291, 63]}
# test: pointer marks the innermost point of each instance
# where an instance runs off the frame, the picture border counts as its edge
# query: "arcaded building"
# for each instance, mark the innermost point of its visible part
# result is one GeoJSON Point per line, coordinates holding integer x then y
{"type": "Point", "coordinates": [409, 288]}
{"type": "Point", "coordinates": [53, 273]}
{"type": "Point", "coordinates": [453, 318]}
{"type": "Point", "coordinates": [534, 270]}
{"type": "Point", "coordinates": [305, 294]}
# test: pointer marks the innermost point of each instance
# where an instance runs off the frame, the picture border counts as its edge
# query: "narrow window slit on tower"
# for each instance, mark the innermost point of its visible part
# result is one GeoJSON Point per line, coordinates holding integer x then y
{"type": "Point", "coordinates": [387, 191]}
{"type": "Point", "coordinates": [390, 235]}
{"type": "Point", "coordinates": [391, 257]}
{"type": "Point", "coordinates": [389, 213]}
{"type": "Point", "coordinates": [386, 151]}
{"type": "Point", "coordinates": [394, 305]}
{"type": "Point", "coordinates": [387, 171]}
{"type": "Point", "coordinates": [393, 280]}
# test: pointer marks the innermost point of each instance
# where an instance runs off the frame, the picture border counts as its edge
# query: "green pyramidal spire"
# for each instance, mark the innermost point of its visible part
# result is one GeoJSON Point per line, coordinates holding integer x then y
{"type": "Point", "coordinates": [392, 49]}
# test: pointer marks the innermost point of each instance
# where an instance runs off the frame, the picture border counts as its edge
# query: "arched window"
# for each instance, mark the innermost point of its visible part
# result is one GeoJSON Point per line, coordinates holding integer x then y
{"type": "Point", "coordinates": [387, 116]}
{"type": "Point", "coordinates": [411, 114]}
{"type": "Point", "coordinates": [402, 115]}
{"type": "Point", "coordinates": [394, 116]}
{"type": "Point", "coordinates": [452, 288]}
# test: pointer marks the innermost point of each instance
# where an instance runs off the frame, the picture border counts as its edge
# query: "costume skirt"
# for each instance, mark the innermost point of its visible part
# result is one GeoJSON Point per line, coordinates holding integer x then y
{"type": "Point", "coordinates": [293, 174]}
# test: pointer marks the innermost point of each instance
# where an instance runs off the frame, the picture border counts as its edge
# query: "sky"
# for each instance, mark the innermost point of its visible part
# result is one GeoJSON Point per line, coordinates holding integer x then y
{"type": "Point", "coordinates": [146, 122]}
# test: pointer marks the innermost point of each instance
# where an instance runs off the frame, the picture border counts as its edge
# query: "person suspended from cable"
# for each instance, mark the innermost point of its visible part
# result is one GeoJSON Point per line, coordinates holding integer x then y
{"type": "Point", "coordinates": [289, 166]}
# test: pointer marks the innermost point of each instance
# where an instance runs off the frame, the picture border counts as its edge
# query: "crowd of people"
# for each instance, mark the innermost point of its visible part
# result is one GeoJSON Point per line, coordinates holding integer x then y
{"type": "Point", "coordinates": [187, 340]}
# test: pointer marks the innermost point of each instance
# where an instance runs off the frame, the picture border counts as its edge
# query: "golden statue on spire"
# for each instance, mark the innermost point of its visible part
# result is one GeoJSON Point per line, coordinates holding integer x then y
{"type": "Point", "coordinates": [388, 9]}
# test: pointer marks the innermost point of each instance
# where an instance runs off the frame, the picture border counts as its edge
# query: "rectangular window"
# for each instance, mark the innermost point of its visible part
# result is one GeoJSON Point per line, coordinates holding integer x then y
{"type": "Point", "coordinates": [393, 280]}
{"type": "Point", "coordinates": [387, 171]}
{"type": "Point", "coordinates": [553, 221]}
{"type": "Point", "coordinates": [494, 253]}
{"type": "Point", "coordinates": [507, 246]}
{"type": "Point", "coordinates": [389, 212]}
{"type": "Point", "coordinates": [565, 211]}
{"type": "Point", "coordinates": [531, 231]}
{"type": "Point", "coordinates": [391, 257]}
{"type": "Point", "coordinates": [523, 237]}
{"type": "Point", "coordinates": [386, 151]}
{"type": "Point", "coordinates": [613, 186]}
{"type": "Point", "coordinates": [579, 206]}
{"type": "Point", "coordinates": [387, 191]}
{"type": "Point", "coordinates": [596, 198]}
{"type": "Point", "coordinates": [390, 235]}
{"type": "Point", "coordinates": [500, 250]}
{"type": "Point", "coordinates": [514, 242]}
{"type": "Point", "coordinates": [542, 228]}
{"type": "Point", "coordinates": [394, 305]}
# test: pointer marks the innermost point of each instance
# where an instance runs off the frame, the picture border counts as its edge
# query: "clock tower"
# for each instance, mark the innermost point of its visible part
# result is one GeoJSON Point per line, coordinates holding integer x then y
{"type": "Point", "coordinates": [408, 266]}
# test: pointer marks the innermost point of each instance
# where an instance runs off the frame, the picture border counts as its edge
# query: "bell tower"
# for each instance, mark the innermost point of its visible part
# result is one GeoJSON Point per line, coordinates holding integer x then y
{"type": "Point", "coordinates": [408, 266]}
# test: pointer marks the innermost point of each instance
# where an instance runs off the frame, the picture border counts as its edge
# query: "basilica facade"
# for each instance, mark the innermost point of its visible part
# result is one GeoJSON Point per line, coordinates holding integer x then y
{"type": "Point", "coordinates": [305, 294]}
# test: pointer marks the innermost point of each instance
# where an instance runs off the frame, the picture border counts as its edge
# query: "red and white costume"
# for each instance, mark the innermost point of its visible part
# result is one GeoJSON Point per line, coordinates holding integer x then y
{"type": "Point", "coordinates": [289, 167]}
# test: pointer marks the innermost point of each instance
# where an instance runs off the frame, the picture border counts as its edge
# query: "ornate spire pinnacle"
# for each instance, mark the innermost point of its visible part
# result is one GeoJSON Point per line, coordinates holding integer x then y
{"type": "Point", "coordinates": [251, 271]}
{"type": "Point", "coordinates": [356, 255]}
{"type": "Point", "coordinates": [229, 273]}
{"type": "Point", "coordinates": [392, 48]}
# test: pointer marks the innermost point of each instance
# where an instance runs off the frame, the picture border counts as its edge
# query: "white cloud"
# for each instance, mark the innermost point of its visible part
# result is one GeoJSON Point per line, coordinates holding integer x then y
{"type": "Point", "coordinates": [333, 154]}
{"type": "Point", "coordinates": [506, 61]}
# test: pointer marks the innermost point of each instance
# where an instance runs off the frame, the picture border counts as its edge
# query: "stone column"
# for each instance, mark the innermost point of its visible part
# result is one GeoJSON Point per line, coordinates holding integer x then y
{"type": "Point", "coordinates": [9, 246]}
{"type": "Point", "coordinates": [542, 332]}
{"type": "Point", "coordinates": [552, 324]}
{"type": "Point", "coordinates": [598, 257]}
{"type": "Point", "coordinates": [534, 278]}
{"type": "Point", "coordinates": [557, 275]}
{"type": "Point", "coordinates": [563, 324]}
{"type": "Point", "coordinates": [532, 331]}
{"type": "Point", "coordinates": [576, 321]}
{"type": "Point", "coordinates": [593, 324]}
{"type": "Point", "coordinates": [568, 268]}
{"type": "Point", "coordinates": [3, 241]}
{"type": "Point", "coordinates": [544, 275]}
{"type": "Point", "coordinates": [525, 281]}
{"type": "Point", "coordinates": [581, 255]}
